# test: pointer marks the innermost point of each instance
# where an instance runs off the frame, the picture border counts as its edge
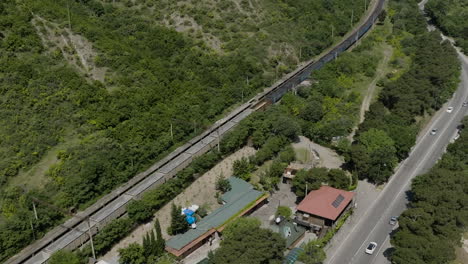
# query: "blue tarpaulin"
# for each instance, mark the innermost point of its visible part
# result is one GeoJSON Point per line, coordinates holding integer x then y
{"type": "Point", "coordinates": [188, 212]}
{"type": "Point", "coordinates": [190, 219]}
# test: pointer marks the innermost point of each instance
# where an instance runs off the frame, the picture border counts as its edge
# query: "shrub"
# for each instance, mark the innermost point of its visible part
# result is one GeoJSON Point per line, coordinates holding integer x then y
{"type": "Point", "coordinates": [284, 211]}
{"type": "Point", "coordinates": [222, 184]}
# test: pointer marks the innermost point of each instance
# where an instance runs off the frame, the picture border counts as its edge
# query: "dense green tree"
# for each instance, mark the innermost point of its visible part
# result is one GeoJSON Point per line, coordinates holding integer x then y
{"type": "Point", "coordinates": [246, 242]}
{"type": "Point", "coordinates": [178, 223]}
{"type": "Point", "coordinates": [338, 179]}
{"type": "Point", "coordinates": [312, 111]}
{"type": "Point", "coordinates": [272, 146]}
{"type": "Point", "coordinates": [313, 254]}
{"type": "Point", "coordinates": [160, 242]}
{"type": "Point", "coordinates": [242, 168]}
{"type": "Point", "coordinates": [272, 176]}
{"type": "Point", "coordinates": [283, 211]}
{"type": "Point", "coordinates": [430, 80]}
{"type": "Point", "coordinates": [375, 156]}
{"type": "Point", "coordinates": [133, 254]}
{"type": "Point", "coordinates": [432, 225]}
{"type": "Point", "coordinates": [309, 179]}
{"type": "Point", "coordinates": [149, 243]}
{"type": "Point", "coordinates": [222, 184]}
{"type": "Point", "coordinates": [64, 257]}
{"type": "Point", "coordinates": [314, 178]}
{"type": "Point", "coordinates": [287, 127]}
{"type": "Point", "coordinates": [111, 233]}
{"type": "Point", "coordinates": [137, 211]}
{"type": "Point", "coordinates": [450, 17]}
{"type": "Point", "coordinates": [382, 16]}
{"type": "Point", "coordinates": [287, 155]}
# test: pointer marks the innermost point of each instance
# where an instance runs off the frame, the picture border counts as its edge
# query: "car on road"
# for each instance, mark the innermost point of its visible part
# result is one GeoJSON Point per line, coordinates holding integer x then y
{"type": "Point", "coordinates": [449, 109]}
{"type": "Point", "coordinates": [434, 131]}
{"type": "Point", "coordinates": [465, 104]}
{"type": "Point", "coordinates": [371, 248]}
{"type": "Point", "coordinates": [393, 220]}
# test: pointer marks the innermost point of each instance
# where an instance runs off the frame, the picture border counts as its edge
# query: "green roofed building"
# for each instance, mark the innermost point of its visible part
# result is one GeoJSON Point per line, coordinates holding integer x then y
{"type": "Point", "coordinates": [240, 200]}
{"type": "Point", "coordinates": [292, 256]}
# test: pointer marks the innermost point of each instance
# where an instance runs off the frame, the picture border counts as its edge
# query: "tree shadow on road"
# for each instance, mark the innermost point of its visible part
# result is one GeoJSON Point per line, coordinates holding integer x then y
{"type": "Point", "coordinates": [388, 253]}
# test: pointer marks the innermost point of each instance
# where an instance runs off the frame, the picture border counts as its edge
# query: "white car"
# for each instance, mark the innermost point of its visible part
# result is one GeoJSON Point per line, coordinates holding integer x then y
{"type": "Point", "coordinates": [371, 248]}
{"type": "Point", "coordinates": [434, 131]}
{"type": "Point", "coordinates": [449, 109]}
{"type": "Point", "coordinates": [393, 220]}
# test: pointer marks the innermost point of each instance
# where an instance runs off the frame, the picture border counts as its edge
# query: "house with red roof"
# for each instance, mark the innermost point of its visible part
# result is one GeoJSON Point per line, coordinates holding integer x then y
{"type": "Point", "coordinates": [323, 207]}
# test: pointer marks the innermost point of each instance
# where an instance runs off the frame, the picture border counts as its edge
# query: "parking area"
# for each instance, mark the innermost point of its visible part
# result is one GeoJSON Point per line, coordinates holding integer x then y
{"type": "Point", "coordinates": [281, 197]}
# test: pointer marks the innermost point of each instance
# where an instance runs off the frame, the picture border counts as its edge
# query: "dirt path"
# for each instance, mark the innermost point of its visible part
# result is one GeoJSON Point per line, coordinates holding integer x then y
{"type": "Point", "coordinates": [201, 191]}
{"type": "Point", "coordinates": [319, 156]}
{"type": "Point", "coordinates": [371, 89]}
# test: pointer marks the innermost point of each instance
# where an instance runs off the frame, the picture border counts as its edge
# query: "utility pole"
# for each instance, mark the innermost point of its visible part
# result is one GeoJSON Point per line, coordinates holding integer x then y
{"type": "Point", "coordinates": [67, 213]}
{"type": "Point", "coordinates": [172, 134]}
{"type": "Point", "coordinates": [332, 32]}
{"type": "Point", "coordinates": [35, 211]}
{"type": "Point", "coordinates": [352, 17]}
{"type": "Point", "coordinates": [217, 131]}
{"type": "Point", "coordinates": [91, 238]}
{"type": "Point", "coordinates": [306, 190]}
{"type": "Point", "coordinates": [365, 5]}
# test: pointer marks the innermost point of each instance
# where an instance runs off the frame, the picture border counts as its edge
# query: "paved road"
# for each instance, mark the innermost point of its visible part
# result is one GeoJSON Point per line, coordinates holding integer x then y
{"type": "Point", "coordinates": [373, 226]}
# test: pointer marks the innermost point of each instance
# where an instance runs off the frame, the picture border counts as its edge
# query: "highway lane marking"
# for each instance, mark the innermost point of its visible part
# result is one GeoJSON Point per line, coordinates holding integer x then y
{"type": "Point", "coordinates": [387, 238]}
{"type": "Point", "coordinates": [383, 243]}
{"type": "Point", "coordinates": [438, 118]}
{"type": "Point", "coordinates": [408, 180]}
{"type": "Point", "coordinates": [392, 179]}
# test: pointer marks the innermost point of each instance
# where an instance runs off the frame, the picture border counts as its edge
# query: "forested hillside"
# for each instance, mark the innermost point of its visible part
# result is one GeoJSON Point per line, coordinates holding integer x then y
{"type": "Point", "coordinates": [90, 89]}
{"type": "Point", "coordinates": [438, 213]}
{"type": "Point", "coordinates": [451, 17]}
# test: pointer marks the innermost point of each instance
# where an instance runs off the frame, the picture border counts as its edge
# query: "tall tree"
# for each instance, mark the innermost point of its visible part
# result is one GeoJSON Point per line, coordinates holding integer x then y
{"type": "Point", "coordinates": [160, 243]}
{"type": "Point", "coordinates": [178, 223]}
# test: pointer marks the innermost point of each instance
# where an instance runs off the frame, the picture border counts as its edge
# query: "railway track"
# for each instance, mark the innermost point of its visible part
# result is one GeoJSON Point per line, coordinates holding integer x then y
{"type": "Point", "coordinates": [74, 232]}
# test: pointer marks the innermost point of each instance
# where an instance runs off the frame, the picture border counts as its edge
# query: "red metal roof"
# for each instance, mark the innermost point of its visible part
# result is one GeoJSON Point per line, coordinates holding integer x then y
{"type": "Point", "coordinates": [326, 202]}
